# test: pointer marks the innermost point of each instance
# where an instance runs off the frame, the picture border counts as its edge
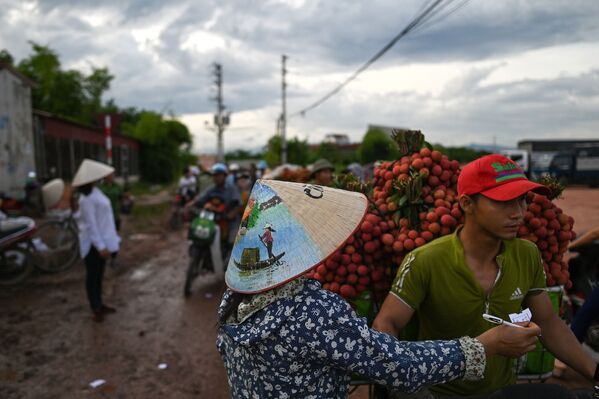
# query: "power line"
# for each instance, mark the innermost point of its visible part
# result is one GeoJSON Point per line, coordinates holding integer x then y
{"type": "Point", "coordinates": [426, 24]}
{"type": "Point", "coordinates": [418, 21]}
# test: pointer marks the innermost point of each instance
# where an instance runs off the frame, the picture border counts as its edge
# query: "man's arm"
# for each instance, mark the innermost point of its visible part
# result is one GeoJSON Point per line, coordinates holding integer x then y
{"type": "Point", "coordinates": [557, 337]}
{"type": "Point", "coordinates": [586, 238]}
{"type": "Point", "coordinates": [393, 316]}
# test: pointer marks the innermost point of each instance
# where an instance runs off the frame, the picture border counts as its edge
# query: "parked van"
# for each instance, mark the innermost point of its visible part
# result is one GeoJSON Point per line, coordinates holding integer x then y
{"type": "Point", "coordinates": [580, 166]}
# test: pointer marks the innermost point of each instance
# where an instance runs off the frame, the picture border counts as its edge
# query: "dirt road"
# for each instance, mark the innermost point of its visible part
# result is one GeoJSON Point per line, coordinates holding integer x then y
{"type": "Point", "coordinates": [50, 347]}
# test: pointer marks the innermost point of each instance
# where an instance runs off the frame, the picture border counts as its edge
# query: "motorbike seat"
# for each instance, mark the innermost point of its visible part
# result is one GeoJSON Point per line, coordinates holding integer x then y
{"type": "Point", "coordinates": [14, 229]}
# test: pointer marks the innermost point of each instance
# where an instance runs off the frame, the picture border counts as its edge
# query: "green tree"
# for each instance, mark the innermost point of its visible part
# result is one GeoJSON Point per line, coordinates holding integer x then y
{"type": "Point", "coordinates": [241, 154]}
{"type": "Point", "coordinates": [462, 154]}
{"type": "Point", "coordinates": [298, 151]}
{"type": "Point", "coordinates": [377, 145]}
{"type": "Point", "coordinates": [6, 57]}
{"type": "Point", "coordinates": [165, 146]}
{"type": "Point", "coordinates": [67, 93]}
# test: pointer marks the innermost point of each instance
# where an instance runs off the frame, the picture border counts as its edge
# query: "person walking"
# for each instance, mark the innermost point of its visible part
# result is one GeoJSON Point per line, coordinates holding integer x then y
{"type": "Point", "coordinates": [282, 335]}
{"type": "Point", "coordinates": [98, 238]}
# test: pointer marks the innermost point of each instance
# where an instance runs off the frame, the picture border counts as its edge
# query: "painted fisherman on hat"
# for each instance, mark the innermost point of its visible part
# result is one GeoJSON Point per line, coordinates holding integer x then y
{"type": "Point", "coordinates": [282, 336]}
{"type": "Point", "coordinates": [267, 239]}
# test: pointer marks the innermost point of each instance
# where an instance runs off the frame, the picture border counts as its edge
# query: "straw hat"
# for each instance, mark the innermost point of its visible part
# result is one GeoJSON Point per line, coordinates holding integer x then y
{"type": "Point", "coordinates": [52, 192]}
{"type": "Point", "coordinates": [308, 223]}
{"type": "Point", "coordinates": [90, 171]}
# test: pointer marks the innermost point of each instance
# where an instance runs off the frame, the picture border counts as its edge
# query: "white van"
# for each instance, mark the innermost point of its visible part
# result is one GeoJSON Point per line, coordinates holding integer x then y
{"type": "Point", "coordinates": [521, 157]}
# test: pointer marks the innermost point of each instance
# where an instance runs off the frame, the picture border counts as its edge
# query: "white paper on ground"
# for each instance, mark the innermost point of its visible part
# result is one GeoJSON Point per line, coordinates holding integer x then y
{"type": "Point", "coordinates": [524, 316]}
{"type": "Point", "coordinates": [97, 383]}
{"type": "Point", "coordinates": [162, 366]}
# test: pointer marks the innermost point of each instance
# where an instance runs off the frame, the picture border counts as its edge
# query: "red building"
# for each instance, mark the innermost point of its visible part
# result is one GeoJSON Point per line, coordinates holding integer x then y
{"type": "Point", "coordinates": [62, 144]}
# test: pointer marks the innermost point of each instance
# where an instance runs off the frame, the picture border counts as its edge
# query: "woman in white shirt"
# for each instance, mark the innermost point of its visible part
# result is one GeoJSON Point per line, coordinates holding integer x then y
{"type": "Point", "coordinates": [98, 238]}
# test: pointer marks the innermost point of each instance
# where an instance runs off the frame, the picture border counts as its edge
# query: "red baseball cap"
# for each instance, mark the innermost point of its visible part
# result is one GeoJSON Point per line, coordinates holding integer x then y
{"type": "Point", "coordinates": [496, 177]}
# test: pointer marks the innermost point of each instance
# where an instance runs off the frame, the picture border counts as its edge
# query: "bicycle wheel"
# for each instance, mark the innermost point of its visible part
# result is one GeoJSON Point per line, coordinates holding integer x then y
{"type": "Point", "coordinates": [15, 265]}
{"type": "Point", "coordinates": [56, 246]}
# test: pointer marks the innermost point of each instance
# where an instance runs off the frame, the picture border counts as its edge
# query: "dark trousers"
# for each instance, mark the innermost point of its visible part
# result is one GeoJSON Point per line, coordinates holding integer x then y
{"type": "Point", "coordinates": [586, 315]}
{"type": "Point", "coordinates": [269, 250]}
{"type": "Point", "coordinates": [94, 267]}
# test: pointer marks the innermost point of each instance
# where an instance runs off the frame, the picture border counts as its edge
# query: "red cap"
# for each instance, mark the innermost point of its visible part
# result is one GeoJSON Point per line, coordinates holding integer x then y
{"type": "Point", "coordinates": [496, 177]}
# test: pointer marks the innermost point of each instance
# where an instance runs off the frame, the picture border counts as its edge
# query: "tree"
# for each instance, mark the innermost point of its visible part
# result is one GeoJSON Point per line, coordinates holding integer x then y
{"type": "Point", "coordinates": [461, 154]}
{"type": "Point", "coordinates": [241, 154]}
{"type": "Point", "coordinates": [67, 93]}
{"type": "Point", "coordinates": [6, 57]}
{"type": "Point", "coordinates": [165, 146]}
{"type": "Point", "coordinates": [377, 145]}
{"type": "Point", "coordinates": [298, 151]}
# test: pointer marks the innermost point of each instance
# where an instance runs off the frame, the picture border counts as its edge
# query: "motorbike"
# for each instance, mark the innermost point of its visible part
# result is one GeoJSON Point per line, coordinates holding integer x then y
{"type": "Point", "coordinates": [17, 250]}
{"type": "Point", "coordinates": [207, 245]}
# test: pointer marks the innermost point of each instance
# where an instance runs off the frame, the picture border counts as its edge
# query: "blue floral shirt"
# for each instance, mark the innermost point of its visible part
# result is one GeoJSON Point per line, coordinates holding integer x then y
{"type": "Point", "coordinates": [302, 341]}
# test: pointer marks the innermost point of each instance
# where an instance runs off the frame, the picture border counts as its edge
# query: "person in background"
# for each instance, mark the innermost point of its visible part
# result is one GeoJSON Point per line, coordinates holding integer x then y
{"type": "Point", "coordinates": [356, 170]}
{"type": "Point", "coordinates": [589, 311]}
{"type": "Point", "coordinates": [322, 173]}
{"type": "Point", "coordinates": [262, 166]}
{"type": "Point", "coordinates": [188, 185]}
{"type": "Point", "coordinates": [98, 238]}
{"type": "Point", "coordinates": [230, 196]}
{"type": "Point", "coordinates": [234, 171]}
{"type": "Point", "coordinates": [52, 193]}
{"type": "Point", "coordinates": [244, 184]}
{"type": "Point", "coordinates": [114, 192]}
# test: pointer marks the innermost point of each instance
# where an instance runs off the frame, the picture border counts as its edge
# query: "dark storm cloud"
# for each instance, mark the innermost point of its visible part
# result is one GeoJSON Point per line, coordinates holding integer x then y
{"type": "Point", "coordinates": [319, 37]}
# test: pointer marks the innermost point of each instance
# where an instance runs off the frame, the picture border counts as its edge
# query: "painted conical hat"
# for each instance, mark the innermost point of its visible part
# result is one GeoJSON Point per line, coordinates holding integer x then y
{"type": "Point", "coordinates": [91, 171]}
{"type": "Point", "coordinates": [52, 192]}
{"type": "Point", "coordinates": [307, 223]}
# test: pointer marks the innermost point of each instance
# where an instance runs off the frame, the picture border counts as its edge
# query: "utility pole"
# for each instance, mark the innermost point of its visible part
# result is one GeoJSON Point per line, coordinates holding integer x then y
{"type": "Point", "coordinates": [221, 119]}
{"type": "Point", "coordinates": [283, 123]}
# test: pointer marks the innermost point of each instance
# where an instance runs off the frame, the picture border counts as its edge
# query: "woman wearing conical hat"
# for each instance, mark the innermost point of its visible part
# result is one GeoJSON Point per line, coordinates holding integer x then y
{"type": "Point", "coordinates": [282, 335]}
{"type": "Point", "coordinates": [98, 239]}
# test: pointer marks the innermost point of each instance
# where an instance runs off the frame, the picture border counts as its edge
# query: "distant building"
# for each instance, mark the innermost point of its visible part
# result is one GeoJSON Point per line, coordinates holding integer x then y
{"type": "Point", "coordinates": [336, 138]}
{"type": "Point", "coordinates": [49, 145]}
{"type": "Point", "coordinates": [66, 143]}
{"type": "Point", "coordinates": [17, 147]}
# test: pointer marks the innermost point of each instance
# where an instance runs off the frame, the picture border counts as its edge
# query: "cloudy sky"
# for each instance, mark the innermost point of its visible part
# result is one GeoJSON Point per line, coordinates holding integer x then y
{"type": "Point", "coordinates": [494, 70]}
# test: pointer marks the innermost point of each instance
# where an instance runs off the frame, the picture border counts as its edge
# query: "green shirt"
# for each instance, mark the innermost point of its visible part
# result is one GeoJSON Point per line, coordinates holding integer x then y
{"type": "Point", "coordinates": [114, 192]}
{"type": "Point", "coordinates": [449, 301]}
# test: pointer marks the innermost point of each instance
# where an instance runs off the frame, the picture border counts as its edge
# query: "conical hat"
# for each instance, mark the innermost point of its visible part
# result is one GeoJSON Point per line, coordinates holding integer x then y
{"type": "Point", "coordinates": [91, 171]}
{"type": "Point", "coordinates": [52, 192]}
{"type": "Point", "coordinates": [305, 224]}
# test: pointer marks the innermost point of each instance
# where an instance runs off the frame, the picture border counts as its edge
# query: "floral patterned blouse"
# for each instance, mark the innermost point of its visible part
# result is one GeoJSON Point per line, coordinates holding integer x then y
{"type": "Point", "coordinates": [301, 341]}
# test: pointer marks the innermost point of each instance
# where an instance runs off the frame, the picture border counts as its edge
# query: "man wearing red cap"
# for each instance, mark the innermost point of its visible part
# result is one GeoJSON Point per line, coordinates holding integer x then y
{"type": "Point", "coordinates": [481, 268]}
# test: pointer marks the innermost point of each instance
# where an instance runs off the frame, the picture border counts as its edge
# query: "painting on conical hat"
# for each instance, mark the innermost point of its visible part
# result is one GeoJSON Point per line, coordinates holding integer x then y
{"type": "Point", "coordinates": [288, 228]}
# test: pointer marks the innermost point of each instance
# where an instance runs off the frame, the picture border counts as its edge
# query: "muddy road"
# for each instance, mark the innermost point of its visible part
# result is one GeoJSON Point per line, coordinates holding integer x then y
{"type": "Point", "coordinates": [51, 348]}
